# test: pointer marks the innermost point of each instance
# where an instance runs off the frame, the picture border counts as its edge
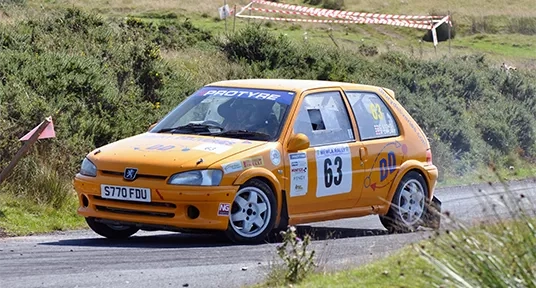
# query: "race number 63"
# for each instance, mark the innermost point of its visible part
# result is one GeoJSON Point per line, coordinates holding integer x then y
{"type": "Point", "coordinates": [334, 170]}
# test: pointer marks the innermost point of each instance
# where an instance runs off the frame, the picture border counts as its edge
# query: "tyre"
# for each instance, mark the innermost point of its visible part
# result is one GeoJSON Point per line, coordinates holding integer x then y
{"type": "Point", "coordinates": [253, 213]}
{"type": "Point", "coordinates": [409, 204]}
{"type": "Point", "coordinates": [111, 231]}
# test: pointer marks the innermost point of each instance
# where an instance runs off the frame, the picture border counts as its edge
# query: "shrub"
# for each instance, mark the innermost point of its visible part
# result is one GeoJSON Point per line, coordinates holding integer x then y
{"type": "Point", "coordinates": [293, 251]}
{"type": "Point", "coordinates": [101, 80]}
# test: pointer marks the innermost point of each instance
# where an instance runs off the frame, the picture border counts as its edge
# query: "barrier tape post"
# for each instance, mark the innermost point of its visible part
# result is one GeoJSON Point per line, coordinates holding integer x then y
{"type": "Point", "coordinates": [234, 18]}
{"type": "Point", "coordinates": [225, 19]}
{"type": "Point", "coordinates": [449, 27]}
{"type": "Point", "coordinates": [429, 22]}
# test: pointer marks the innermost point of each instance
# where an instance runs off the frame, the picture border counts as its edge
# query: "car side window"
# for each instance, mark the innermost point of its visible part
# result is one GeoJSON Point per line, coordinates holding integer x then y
{"type": "Point", "coordinates": [323, 117]}
{"type": "Point", "coordinates": [374, 119]}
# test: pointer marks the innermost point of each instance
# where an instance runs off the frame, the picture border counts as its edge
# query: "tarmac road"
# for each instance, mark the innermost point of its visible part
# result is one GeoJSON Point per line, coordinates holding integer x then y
{"type": "Point", "coordinates": [161, 259]}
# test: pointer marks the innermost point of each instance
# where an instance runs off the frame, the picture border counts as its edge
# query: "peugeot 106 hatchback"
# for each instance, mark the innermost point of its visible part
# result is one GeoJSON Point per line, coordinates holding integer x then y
{"type": "Point", "coordinates": [250, 156]}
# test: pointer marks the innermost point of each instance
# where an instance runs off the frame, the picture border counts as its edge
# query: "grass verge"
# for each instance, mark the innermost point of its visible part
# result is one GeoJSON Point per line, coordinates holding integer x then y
{"type": "Point", "coordinates": [496, 252]}
{"type": "Point", "coordinates": [19, 216]}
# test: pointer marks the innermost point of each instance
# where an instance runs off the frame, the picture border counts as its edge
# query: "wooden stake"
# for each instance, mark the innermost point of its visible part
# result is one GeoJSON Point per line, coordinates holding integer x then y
{"type": "Point", "coordinates": [23, 150]}
{"type": "Point", "coordinates": [234, 18]}
{"type": "Point", "coordinates": [225, 19]}
{"type": "Point", "coordinates": [449, 27]}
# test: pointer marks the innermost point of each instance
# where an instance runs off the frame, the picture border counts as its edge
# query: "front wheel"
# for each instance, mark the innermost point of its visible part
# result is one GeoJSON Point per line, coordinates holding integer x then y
{"type": "Point", "coordinates": [408, 207]}
{"type": "Point", "coordinates": [253, 213]}
{"type": "Point", "coordinates": [111, 231]}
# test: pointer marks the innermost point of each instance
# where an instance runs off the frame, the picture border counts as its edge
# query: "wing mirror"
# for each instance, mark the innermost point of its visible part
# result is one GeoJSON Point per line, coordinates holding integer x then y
{"type": "Point", "coordinates": [152, 126]}
{"type": "Point", "coordinates": [298, 142]}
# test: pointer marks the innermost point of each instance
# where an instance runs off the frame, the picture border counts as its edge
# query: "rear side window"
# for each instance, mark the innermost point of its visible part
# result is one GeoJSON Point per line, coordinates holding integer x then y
{"type": "Point", "coordinates": [374, 119]}
{"type": "Point", "coordinates": [323, 117]}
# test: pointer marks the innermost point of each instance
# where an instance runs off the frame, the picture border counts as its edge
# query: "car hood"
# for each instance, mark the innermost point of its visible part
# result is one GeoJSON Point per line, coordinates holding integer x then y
{"type": "Point", "coordinates": [164, 154]}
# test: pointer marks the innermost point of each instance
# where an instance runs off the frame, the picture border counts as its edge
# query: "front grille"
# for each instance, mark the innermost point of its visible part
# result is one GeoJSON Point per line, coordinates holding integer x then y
{"type": "Point", "coordinates": [149, 176]}
{"type": "Point", "coordinates": [134, 212]}
{"type": "Point", "coordinates": [110, 205]}
{"type": "Point", "coordinates": [156, 204]}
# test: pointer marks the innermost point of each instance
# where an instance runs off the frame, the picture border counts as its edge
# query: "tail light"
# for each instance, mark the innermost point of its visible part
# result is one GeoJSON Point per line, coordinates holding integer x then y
{"type": "Point", "coordinates": [429, 156]}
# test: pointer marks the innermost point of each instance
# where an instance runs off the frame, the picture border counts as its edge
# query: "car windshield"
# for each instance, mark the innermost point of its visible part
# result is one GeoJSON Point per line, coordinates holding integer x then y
{"type": "Point", "coordinates": [244, 113]}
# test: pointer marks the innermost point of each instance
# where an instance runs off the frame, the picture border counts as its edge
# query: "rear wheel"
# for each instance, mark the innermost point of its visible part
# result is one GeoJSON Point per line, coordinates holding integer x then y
{"type": "Point", "coordinates": [111, 231]}
{"type": "Point", "coordinates": [253, 213]}
{"type": "Point", "coordinates": [408, 207]}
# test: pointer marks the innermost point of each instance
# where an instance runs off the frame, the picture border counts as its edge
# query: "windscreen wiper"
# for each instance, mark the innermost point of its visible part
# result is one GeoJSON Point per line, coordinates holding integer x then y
{"type": "Point", "coordinates": [191, 127]}
{"type": "Point", "coordinates": [261, 135]}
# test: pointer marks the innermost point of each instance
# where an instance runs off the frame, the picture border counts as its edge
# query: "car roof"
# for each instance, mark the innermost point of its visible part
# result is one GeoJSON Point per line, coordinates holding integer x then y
{"type": "Point", "coordinates": [295, 85]}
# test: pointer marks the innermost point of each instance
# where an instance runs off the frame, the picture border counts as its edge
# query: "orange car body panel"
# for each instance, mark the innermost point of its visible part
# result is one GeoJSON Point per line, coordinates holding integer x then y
{"type": "Point", "coordinates": [158, 156]}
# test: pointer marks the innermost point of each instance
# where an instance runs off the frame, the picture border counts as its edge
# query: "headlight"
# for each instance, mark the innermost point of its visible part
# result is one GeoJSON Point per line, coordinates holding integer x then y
{"type": "Point", "coordinates": [197, 178]}
{"type": "Point", "coordinates": [88, 168]}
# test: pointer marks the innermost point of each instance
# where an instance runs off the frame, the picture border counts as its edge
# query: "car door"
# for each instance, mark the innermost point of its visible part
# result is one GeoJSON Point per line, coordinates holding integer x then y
{"type": "Point", "coordinates": [383, 146]}
{"type": "Point", "coordinates": [328, 174]}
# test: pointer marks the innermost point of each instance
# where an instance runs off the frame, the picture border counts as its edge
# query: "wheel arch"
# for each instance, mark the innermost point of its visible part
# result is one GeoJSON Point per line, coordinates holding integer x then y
{"type": "Point", "coordinates": [271, 180]}
{"type": "Point", "coordinates": [406, 168]}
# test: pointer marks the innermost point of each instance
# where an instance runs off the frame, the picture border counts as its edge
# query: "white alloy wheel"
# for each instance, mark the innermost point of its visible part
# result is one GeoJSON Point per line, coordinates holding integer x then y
{"type": "Point", "coordinates": [251, 212]}
{"type": "Point", "coordinates": [411, 202]}
{"type": "Point", "coordinates": [409, 205]}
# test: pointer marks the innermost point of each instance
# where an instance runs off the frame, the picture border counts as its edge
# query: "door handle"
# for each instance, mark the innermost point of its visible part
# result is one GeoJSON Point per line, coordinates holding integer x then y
{"type": "Point", "coordinates": [363, 154]}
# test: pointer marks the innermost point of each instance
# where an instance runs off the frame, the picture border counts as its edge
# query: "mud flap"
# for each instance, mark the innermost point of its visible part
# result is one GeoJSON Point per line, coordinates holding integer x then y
{"type": "Point", "coordinates": [432, 218]}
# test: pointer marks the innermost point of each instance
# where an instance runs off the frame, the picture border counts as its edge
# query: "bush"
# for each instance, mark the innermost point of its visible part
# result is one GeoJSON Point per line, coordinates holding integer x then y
{"type": "Point", "coordinates": [100, 80]}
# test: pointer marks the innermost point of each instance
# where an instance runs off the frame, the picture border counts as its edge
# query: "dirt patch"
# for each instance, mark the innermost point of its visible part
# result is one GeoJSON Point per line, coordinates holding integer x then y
{"type": "Point", "coordinates": [385, 31]}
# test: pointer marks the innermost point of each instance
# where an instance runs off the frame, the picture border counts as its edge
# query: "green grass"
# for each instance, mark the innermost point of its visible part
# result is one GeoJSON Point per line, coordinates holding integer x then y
{"type": "Point", "coordinates": [512, 45]}
{"type": "Point", "coordinates": [480, 256]}
{"type": "Point", "coordinates": [19, 216]}
{"type": "Point", "coordinates": [503, 20]}
{"type": "Point", "coordinates": [488, 175]}
{"type": "Point", "coordinates": [403, 269]}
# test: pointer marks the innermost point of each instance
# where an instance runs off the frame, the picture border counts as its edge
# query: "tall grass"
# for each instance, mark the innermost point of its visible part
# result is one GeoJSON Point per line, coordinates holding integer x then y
{"type": "Point", "coordinates": [40, 182]}
{"type": "Point", "coordinates": [499, 252]}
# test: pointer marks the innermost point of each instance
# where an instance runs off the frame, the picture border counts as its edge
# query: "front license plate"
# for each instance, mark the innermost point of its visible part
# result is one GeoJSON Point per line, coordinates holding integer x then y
{"type": "Point", "coordinates": [126, 193]}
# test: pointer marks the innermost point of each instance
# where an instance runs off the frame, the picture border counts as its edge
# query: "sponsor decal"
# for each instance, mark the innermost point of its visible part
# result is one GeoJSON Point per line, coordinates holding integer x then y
{"type": "Point", "coordinates": [159, 148]}
{"type": "Point", "coordinates": [386, 163]}
{"type": "Point", "coordinates": [298, 174]}
{"type": "Point", "coordinates": [251, 162]}
{"type": "Point", "coordinates": [232, 167]}
{"type": "Point", "coordinates": [384, 129]}
{"type": "Point", "coordinates": [302, 169]}
{"type": "Point", "coordinates": [296, 156]}
{"type": "Point", "coordinates": [275, 157]}
{"type": "Point", "coordinates": [284, 97]}
{"type": "Point", "coordinates": [298, 177]}
{"type": "Point", "coordinates": [214, 148]}
{"type": "Point", "coordinates": [224, 209]}
{"type": "Point", "coordinates": [191, 138]}
{"type": "Point", "coordinates": [334, 173]}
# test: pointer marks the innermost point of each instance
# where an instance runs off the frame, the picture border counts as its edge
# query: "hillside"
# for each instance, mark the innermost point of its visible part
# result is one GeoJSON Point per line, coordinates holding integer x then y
{"type": "Point", "coordinates": [504, 30]}
{"type": "Point", "coordinates": [108, 69]}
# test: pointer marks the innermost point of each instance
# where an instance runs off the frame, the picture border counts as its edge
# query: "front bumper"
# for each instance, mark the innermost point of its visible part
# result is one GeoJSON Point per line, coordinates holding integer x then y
{"type": "Point", "coordinates": [169, 207]}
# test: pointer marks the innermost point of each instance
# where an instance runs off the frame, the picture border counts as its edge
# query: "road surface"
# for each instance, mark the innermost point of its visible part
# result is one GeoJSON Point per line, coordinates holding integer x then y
{"type": "Point", "coordinates": [162, 259]}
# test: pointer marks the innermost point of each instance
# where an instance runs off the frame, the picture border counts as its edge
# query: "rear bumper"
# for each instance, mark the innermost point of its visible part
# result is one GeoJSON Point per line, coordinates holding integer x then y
{"type": "Point", "coordinates": [169, 205]}
{"type": "Point", "coordinates": [431, 174]}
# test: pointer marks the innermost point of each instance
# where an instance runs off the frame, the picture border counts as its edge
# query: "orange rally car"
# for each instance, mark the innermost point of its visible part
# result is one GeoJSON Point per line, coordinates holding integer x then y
{"type": "Point", "coordinates": [250, 156]}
